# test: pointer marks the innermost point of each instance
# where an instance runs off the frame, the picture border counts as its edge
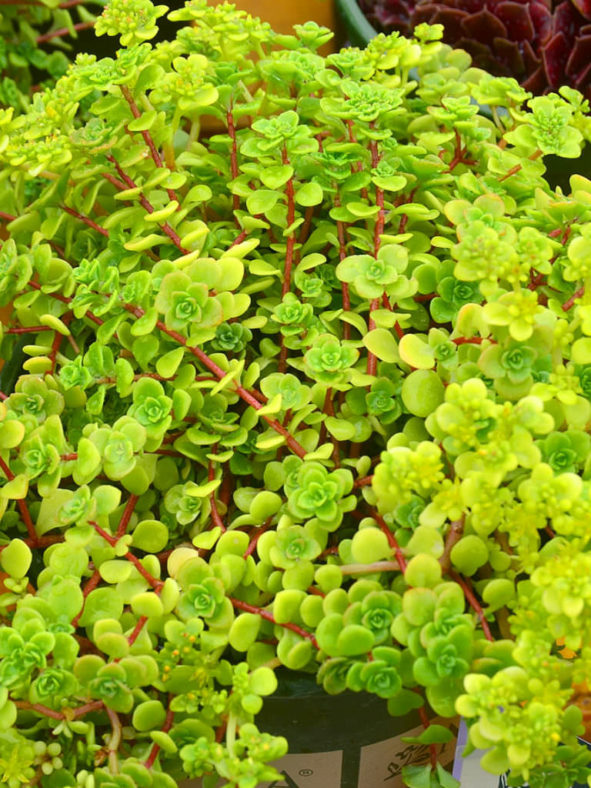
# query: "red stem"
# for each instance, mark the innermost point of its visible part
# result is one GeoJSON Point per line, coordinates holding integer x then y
{"type": "Point", "coordinates": [147, 206]}
{"type": "Point", "coordinates": [245, 395]}
{"type": "Point", "coordinates": [63, 31]}
{"type": "Point", "coordinates": [28, 330]}
{"type": "Point", "coordinates": [233, 153]}
{"type": "Point", "coordinates": [290, 193]}
{"type": "Point", "coordinates": [254, 541]}
{"type": "Point", "coordinates": [518, 167]}
{"type": "Point", "coordinates": [86, 220]}
{"type": "Point", "coordinates": [473, 602]}
{"type": "Point", "coordinates": [147, 137]}
{"type": "Point", "coordinates": [454, 535]}
{"type": "Point", "coordinates": [215, 515]}
{"type": "Point", "coordinates": [112, 540]}
{"type": "Point", "coordinates": [469, 340]}
{"type": "Point", "coordinates": [341, 235]}
{"type": "Point", "coordinates": [364, 482]}
{"type": "Point", "coordinates": [372, 361]}
{"type": "Point", "coordinates": [391, 540]}
{"type": "Point", "coordinates": [239, 238]}
{"type": "Point", "coordinates": [93, 705]}
{"type": "Point", "coordinates": [432, 747]}
{"type": "Point", "coordinates": [149, 762]}
{"type": "Point", "coordinates": [238, 603]}
{"type": "Point", "coordinates": [22, 505]}
{"type": "Point", "coordinates": [357, 166]}
{"type": "Point", "coordinates": [137, 629]}
{"type": "Point", "coordinates": [65, 300]}
{"type": "Point", "coordinates": [126, 516]}
{"type": "Point", "coordinates": [570, 303]}
{"type": "Point", "coordinates": [57, 715]}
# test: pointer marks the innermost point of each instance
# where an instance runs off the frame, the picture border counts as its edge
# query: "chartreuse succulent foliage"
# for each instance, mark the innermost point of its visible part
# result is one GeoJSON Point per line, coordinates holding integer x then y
{"type": "Point", "coordinates": [311, 392]}
{"type": "Point", "coordinates": [35, 39]}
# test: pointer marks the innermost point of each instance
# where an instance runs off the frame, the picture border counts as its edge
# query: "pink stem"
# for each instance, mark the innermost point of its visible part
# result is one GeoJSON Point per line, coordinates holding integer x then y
{"type": "Point", "coordinates": [63, 31]}
{"type": "Point", "coordinates": [238, 603]}
{"type": "Point", "coordinates": [147, 137]}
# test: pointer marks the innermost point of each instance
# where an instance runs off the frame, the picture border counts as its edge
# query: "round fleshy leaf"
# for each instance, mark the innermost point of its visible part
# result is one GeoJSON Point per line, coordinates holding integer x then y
{"type": "Point", "coordinates": [423, 571]}
{"type": "Point", "coordinates": [382, 344]}
{"type": "Point", "coordinates": [16, 559]}
{"type": "Point", "coordinates": [148, 715]}
{"type": "Point", "coordinates": [263, 681]}
{"type": "Point", "coordinates": [244, 631]}
{"type": "Point", "coordinates": [469, 554]}
{"type": "Point", "coordinates": [422, 392]}
{"type": "Point", "coordinates": [369, 545]}
{"type": "Point", "coordinates": [150, 536]}
{"type": "Point", "coordinates": [416, 353]}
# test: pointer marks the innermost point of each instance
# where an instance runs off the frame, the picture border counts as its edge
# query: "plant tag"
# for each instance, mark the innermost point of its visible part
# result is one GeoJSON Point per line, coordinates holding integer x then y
{"type": "Point", "coordinates": [300, 770]}
{"type": "Point", "coordinates": [469, 771]}
{"type": "Point", "coordinates": [382, 763]}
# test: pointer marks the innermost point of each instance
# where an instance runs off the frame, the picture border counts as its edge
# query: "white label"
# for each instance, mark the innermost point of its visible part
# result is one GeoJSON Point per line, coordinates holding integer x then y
{"type": "Point", "coordinates": [468, 769]}
{"type": "Point", "coordinates": [300, 770]}
{"type": "Point", "coordinates": [382, 763]}
{"type": "Point", "coordinates": [309, 770]}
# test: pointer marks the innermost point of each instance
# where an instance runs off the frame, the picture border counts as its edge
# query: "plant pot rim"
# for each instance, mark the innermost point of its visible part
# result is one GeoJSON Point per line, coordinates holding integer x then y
{"type": "Point", "coordinates": [359, 30]}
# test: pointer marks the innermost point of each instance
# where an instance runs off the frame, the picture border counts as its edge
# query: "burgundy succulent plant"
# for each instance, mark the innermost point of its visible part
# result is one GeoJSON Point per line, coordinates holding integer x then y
{"type": "Point", "coordinates": [542, 43]}
{"type": "Point", "coordinates": [389, 14]}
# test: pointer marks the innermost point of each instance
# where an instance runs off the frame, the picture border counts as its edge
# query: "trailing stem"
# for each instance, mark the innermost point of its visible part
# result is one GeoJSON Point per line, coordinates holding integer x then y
{"type": "Point", "coordinates": [518, 167]}
{"type": "Point", "coordinates": [233, 154]}
{"type": "Point", "coordinates": [215, 515]}
{"type": "Point", "coordinates": [268, 616]}
{"type": "Point", "coordinates": [372, 362]}
{"type": "Point", "coordinates": [392, 541]}
{"type": "Point", "coordinates": [454, 535]}
{"type": "Point", "coordinates": [86, 220]}
{"type": "Point", "coordinates": [128, 183]}
{"type": "Point", "coordinates": [245, 395]}
{"type": "Point", "coordinates": [432, 747]}
{"type": "Point", "coordinates": [149, 762]}
{"type": "Point", "coordinates": [571, 301]}
{"type": "Point", "coordinates": [290, 194]}
{"type": "Point", "coordinates": [254, 541]}
{"type": "Point", "coordinates": [63, 31]}
{"type": "Point", "coordinates": [112, 541]}
{"type": "Point", "coordinates": [473, 602]}
{"type": "Point", "coordinates": [147, 137]}
{"type": "Point", "coordinates": [126, 516]}
{"type": "Point", "coordinates": [22, 505]}
{"type": "Point", "coordinates": [114, 740]}
{"type": "Point", "coordinates": [341, 235]}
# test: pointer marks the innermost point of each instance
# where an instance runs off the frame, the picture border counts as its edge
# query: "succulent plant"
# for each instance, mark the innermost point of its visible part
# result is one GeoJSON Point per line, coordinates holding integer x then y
{"type": "Point", "coordinates": [542, 43]}
{"type": "Point", "coordinates": [309, 394]}
{"type": "Point", "coordinates": [34, 40]}
{"type": "Point", "coordinates": [389, 14]}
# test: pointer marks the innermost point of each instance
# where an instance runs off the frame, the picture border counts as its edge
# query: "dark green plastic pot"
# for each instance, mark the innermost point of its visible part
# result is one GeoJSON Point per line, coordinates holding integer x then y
{"type": "Point", "coordinates": [339, 741]}
{"type": "Point", "coordinates": [358, 31]}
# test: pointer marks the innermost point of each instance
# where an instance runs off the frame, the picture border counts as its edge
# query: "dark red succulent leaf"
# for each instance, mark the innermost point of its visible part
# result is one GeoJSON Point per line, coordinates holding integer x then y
{"type": "Point", "coordinates": [555, 55]}
{"type": "Point", "coordinates": [483, 25]}
{"type": "Point", "coordinates": [584, 7]}
{"type": "Point", "coordinates": [517, 20]}
{"type": "Point", "coordinates": [389, 15]}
